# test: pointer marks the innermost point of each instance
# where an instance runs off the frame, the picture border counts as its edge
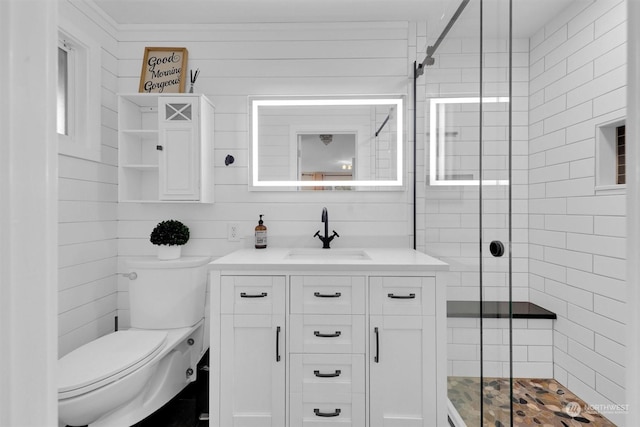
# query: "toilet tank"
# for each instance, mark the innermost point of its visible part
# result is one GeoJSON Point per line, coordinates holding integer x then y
{"type": "Point", "coordinates": [167, 294]}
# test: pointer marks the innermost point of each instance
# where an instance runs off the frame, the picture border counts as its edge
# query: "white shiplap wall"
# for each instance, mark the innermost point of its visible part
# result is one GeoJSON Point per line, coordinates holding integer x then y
{"type": "Point", "coordinates": [87, 230]}
{"type": "Point", "coordinates": [237, 61]}
{"type": "Point", "coordinates": [577, 235]}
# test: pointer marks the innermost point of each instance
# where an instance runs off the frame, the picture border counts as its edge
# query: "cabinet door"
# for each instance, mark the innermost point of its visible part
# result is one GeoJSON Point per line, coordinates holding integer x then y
{"type": "Point", "coordinates": [179, 148]}
{"type": "Point", "coordinates": [252, 381]}
{"type": "Point", "coordinates": [402, 371]}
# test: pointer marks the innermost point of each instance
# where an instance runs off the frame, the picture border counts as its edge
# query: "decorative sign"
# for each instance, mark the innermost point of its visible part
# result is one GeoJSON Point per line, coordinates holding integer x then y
{"type": "Point", "coordinates": [163, 70]}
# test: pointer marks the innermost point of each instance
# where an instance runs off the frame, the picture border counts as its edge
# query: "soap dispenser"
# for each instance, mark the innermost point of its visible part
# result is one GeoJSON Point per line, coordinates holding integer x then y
{"type": "Point", "coordinates": [261, 235]}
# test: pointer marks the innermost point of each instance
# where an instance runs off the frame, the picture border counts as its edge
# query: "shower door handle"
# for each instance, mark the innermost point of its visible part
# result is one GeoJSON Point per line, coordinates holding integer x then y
{"type": "Point", "coordinates": [496, 248]}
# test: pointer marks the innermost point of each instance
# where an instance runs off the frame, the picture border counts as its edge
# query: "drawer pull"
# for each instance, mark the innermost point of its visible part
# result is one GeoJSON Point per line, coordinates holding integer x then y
{"type": "Point", "coordinates": [326, 414]}
{"type": "Point", "coordinates": [246, 295]}
{"type": "Point", "coordinates": [319, 375]}
{"type": "Point", "coordinates": [321, 335]}
{"type": "Point", "coordinates": [410, 296]}
{"type": "Point", "coordinates": [319, 295]}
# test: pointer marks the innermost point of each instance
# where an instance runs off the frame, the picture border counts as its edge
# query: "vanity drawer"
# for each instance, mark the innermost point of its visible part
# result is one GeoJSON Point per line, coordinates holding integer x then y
{"type": "Point", "coordinates": [327, 373]}
{"type": "Point", "coordinates": [252, 295]}
{"type": "Point", "coordinates": [402, 296]}
{"type": "Point", "coordinates": [327, 295]}
{"type": "Point", "coordinates": [327, 334]}
{"type": "Point", "coordinates": [321, 410]}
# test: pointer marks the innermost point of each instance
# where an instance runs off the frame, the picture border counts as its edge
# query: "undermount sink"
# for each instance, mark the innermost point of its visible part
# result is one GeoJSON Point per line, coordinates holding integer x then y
{"type": "Point", "coordinates": [328, 254]}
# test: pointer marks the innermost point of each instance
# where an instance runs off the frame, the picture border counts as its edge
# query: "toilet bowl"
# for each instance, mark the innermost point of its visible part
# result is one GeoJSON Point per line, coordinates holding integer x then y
{"type": "Point", "coordinates": [123, 377]}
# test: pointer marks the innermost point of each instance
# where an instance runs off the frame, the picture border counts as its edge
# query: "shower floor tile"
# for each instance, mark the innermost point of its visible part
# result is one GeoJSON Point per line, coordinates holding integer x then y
{"type": "Point", "coordinates": [536, 402]}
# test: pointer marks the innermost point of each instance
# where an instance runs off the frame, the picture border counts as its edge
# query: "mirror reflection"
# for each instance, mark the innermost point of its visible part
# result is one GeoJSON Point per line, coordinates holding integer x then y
{"type": "Point", "coordinates": [453, 141]}
{"type": "Point", "coordinates": [326, 143]}
{"type": "Point", "coordinates": [327, 157]}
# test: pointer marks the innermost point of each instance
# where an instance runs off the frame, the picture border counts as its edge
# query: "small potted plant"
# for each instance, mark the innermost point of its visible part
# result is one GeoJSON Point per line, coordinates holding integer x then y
{"type": "Point", "coordinates": [169, 236]}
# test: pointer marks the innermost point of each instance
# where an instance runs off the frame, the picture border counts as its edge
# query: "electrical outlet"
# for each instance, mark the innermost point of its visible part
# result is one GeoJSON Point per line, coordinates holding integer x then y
{"type": "Point", "coordinates": [233, 232]}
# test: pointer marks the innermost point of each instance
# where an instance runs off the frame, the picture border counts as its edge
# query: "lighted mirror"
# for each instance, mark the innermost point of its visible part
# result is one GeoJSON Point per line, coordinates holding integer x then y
{"type": "Point", "coordinates": [326, 143]}
{"type": "Point", "coordinates": [454, 135]}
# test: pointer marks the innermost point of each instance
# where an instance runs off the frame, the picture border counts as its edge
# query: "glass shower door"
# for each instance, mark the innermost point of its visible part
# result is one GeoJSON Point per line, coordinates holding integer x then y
{"type": "Point", "coordinates": [497, 117]}
{"type": "Point", "coordinates": [471, 196]}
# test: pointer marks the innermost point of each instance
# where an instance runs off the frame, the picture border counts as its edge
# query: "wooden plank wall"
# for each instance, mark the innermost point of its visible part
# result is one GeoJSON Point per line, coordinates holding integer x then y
{"type": "Point", "coordinates": [237, 61]}
{"type": "Point", "coordinates": [87, 197]}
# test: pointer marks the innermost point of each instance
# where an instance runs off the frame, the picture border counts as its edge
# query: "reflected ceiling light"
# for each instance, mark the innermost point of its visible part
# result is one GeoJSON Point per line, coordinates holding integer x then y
{"type": "Point", "coordinates": [326, 139]}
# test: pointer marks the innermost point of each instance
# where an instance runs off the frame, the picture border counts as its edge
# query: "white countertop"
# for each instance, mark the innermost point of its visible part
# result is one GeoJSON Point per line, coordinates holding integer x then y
{"type": "Point", "coordinates": [368, 259]}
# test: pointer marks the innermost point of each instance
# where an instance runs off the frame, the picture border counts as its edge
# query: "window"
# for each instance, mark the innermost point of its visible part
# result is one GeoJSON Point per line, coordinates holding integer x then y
{"type": "Point", "coordinates": [610, 156]}
{"type": "Point", "coordinates": [65, 84]}
{"type": "Point", "coordinates": [78, 94]}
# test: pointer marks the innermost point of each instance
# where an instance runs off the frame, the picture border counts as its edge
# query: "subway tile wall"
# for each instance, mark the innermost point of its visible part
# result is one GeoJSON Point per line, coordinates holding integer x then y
{"type": "Point", "coordinates": [448, 215]}
{"type": "Point", "coordinates": [532, 348]}
{"type": "Point", "coordinates": [576, 234]}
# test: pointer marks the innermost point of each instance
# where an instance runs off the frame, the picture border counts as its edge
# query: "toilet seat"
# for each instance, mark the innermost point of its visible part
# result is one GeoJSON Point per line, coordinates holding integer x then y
{"type": "Point", "coordinates": [106, 360]}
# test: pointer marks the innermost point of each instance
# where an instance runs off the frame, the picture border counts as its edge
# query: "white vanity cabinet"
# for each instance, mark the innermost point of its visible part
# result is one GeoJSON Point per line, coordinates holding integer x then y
{"type": "Point", "coordinates": [348, 345]}
{"type": "Point", "coordinates": [165, 148]}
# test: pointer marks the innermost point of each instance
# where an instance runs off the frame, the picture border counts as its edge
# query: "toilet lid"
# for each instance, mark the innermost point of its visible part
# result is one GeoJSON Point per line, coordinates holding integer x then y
{"type": "Point", "coordinates": [107, 357]}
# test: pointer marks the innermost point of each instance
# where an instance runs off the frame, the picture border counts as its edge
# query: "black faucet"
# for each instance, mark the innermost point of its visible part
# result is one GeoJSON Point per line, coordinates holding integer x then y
{"type": "Point", "coordinates": [326, 239]}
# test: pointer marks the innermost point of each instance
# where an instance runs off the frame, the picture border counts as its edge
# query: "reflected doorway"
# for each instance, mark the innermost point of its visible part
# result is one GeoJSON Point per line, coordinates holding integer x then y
{"type": "Point", "coordinates": [327, 157]}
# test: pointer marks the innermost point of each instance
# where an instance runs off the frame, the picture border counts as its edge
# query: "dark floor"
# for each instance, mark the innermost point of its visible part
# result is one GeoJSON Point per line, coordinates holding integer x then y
{"type": "Point", "coordinates": [536, 402]}
{"type": "Point", "coordinates": [182, 411]}
{"type": "Point", "coordinates": [185, 409]}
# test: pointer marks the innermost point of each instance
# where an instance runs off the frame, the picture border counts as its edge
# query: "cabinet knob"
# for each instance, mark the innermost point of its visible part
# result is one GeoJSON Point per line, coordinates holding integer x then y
{"type": "Point", "coordinates": [159, 147]}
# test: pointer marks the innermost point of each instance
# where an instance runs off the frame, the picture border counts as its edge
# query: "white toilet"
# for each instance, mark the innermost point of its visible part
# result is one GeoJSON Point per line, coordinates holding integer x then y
{"type": "Point", "coordinates": [121, 378]}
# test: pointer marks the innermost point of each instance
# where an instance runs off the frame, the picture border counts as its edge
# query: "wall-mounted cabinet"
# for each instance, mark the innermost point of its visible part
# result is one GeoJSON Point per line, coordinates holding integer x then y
{"type": "Point", "coordinates": [165, 148]}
